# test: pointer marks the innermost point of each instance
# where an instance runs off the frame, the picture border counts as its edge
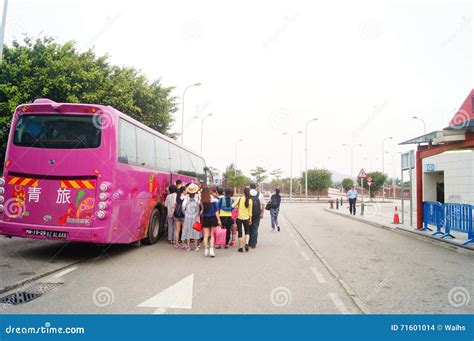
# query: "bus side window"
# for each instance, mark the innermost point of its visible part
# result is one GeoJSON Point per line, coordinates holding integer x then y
{"type": "Point", "coordinates": [127, 143]}
{"type": "Point", "coordinates": [146, 149]}
{"type": "Point", "coordinates": [175, 158]}
{"type": "Point", "coordinates": [185, 163]}
{"type": "Point", "coordinates": [162, 154]}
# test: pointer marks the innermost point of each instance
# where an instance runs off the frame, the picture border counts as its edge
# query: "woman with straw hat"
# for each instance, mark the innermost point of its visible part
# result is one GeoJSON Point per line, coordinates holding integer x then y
{"type": "Point", "coordinates": [191, 208]}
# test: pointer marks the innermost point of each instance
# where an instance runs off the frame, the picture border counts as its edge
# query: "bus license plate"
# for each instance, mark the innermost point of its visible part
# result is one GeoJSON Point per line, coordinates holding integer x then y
{"type": "Point", "coordinates": [47, 234]}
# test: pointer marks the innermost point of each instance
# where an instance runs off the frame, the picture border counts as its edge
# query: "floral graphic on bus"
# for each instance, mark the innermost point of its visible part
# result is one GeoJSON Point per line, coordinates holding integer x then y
{"type": "Point", "coordinates": [19, 197]}
{"type": "Point", "coordinates": [80, 212]}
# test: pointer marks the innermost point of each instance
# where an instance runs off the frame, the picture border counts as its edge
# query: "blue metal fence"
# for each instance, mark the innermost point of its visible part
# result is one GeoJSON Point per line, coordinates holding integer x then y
{"type": "Point", "coordinates": [432, 215]}
{"type": "Point", "coordinates": [456, 217]}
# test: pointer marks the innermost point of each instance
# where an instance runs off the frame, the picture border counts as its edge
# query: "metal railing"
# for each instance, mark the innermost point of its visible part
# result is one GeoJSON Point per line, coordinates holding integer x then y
{"type": "Point", "coordinates": [451, 217]}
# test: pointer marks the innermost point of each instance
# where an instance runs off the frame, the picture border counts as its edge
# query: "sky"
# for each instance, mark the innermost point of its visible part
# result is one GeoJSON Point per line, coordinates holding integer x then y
{"type": "Point", "coordinates": [362, 68]}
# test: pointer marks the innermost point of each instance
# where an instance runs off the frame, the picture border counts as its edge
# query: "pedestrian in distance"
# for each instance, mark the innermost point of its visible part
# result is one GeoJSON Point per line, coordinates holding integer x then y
{"type": "Point", "coordinates": [191, 208]}
{"type": "Point", "coordinates": [210, 220]}
{"type": "Point", "coordinates": [225, 213]}
{"type": "Point", "coordinates": [244, 219]}
{"type": "Point", "coordinates": [170, 203]}
{"type": "Point", "coordinates": [258, 210]}
{"type": "Point", "coordinates": [352, 196]}
{"type": "Point", "coordinates": [274, 207]}
{"type": "Point", "coordinates": [178, 214]}
{"type": "Point", "coordinates": [178, 183]}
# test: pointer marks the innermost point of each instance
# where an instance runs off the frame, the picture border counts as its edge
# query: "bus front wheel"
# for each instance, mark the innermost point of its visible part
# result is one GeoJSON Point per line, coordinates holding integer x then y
{"type": "Point", "coordinates": [154, 227]}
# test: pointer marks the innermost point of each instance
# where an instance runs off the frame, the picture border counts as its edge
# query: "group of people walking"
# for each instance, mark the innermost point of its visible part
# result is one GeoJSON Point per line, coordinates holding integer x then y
{"type": "Point", "coordinates": [196, 212]}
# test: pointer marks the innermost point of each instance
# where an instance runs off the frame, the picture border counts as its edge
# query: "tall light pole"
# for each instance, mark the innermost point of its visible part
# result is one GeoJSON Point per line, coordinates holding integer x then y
{"type": "Point", "coordinates": [202, 126]}
{"type": "Point", "coordinates": [2, 28]}
{"type": "Point", "coordinates": [235, 159]}
{"type": "Point", "coordinates": [422, 121]}
{"type": "Point", "coordinates": [291, 160]}
{"type": "Point", "coordinates": [383, 164]}
{"type": "Point", "coordinates": [352, 155]}
{"type": "Point", "coordinates": [182, 109]}
{"type": "Point", "coordinates": [306, 158]}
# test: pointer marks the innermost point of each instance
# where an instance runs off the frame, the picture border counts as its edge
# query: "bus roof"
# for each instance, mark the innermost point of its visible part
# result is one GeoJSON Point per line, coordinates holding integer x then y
{"type": "Point", "coordinates": [45, 104]}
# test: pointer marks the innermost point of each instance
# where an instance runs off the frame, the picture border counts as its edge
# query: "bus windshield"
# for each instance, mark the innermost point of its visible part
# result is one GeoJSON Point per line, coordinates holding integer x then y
{"type": "Point", "coordinates": [57, 131]}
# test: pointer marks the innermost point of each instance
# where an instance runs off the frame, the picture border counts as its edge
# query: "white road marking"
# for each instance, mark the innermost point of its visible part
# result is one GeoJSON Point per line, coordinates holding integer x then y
{"type": "Point", "coordinates": [319, 275]}
{"type": "Point", "coordinates": [338, 303]}
{"type": "Point", "coordinates": [304, 255]}
{"type": "Point", "coordinates": [177, 296]}
{"type": "Point", "coordinates": [64, 272]}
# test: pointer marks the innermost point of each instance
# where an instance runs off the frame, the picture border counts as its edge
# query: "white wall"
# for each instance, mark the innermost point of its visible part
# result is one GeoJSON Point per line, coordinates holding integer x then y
{"type": "Point", "coordinates": [458, 170]}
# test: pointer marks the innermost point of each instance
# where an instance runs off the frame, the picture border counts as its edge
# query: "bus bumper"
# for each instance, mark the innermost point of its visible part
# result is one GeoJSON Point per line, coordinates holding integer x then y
{"type": "Point", "coordinates": [96, 234]}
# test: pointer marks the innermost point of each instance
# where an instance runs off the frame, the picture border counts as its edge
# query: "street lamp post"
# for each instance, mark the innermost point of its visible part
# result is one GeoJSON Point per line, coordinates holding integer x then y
{"type": "Point", "coordinates": [235, 159]}
{"type": "Point", "coordinates": [291, 160]}
{"type": "Point", "coordinates": [352, 155]}
{"type": "Point", "coordinates": [422, 121]}
{"type": "Point", "coordinates": [202, 126]}
{"type": "Point", "coordinates": [2, 28]}
{"type": "Point", "coordinates": [383, 164]}
{"type": "Point", "coordinates": [182, 109]}
{"type": "Point", "coordinates": [306, 158]}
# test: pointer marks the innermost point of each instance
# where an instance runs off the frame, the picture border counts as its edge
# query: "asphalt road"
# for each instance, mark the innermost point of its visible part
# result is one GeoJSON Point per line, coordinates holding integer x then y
{"type": "Point", "coordinates": [319, 263]}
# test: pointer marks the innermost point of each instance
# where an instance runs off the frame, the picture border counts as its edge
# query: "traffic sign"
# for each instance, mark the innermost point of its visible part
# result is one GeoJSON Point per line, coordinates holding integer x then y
{"type": "Point", "coordinates": [369, 179]}
{"type": "Point", "coordinates": [362, 174]}
{"type": "Point", "coordinates": [369, 182]}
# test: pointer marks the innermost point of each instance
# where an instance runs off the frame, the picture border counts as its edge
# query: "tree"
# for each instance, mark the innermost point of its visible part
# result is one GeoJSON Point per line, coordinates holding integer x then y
{"type": "Point", "coordinates": [276, 177]}
{"type": "Point", "coordinates": [259, 174]}
{"type": "Point", "coordinates": [234, 178]}
{"type": "Point", "coordinates": [347, 183]}
{"type": "Point", "coordinates": [378, 179]}
{"type": "Point", "coordinates": [318, 180]}
{"type": "Point", "coordinates": [43, 68]}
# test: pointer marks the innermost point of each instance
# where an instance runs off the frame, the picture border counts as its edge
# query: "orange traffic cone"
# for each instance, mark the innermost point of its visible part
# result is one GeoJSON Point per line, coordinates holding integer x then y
{"type": "Point", "coordinates": [396, 218]}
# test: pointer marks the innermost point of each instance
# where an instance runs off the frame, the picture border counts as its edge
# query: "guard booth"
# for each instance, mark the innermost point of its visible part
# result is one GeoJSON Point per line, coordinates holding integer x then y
{"type": "Point", "coordinates": [444, 162]}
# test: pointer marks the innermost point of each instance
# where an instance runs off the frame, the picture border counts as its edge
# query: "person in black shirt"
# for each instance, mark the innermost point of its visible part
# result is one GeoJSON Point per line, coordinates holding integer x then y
{"type": "Point", "coordinates": [275, 201]}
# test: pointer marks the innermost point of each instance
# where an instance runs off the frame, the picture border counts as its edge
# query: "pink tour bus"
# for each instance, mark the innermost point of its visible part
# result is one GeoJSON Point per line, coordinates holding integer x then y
{"type": "Point", "coordinates": [88, 173]}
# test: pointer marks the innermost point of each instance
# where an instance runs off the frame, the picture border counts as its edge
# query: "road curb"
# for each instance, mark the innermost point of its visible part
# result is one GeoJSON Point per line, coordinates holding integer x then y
{"type": "Point", "coordinates": [426, 238]}
{"type": "Point", "coordinates": [36, 277]}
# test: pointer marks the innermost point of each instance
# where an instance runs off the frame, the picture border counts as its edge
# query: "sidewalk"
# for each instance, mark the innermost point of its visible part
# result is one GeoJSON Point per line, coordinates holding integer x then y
{"type": "Point", "coordinates": [376, 214]}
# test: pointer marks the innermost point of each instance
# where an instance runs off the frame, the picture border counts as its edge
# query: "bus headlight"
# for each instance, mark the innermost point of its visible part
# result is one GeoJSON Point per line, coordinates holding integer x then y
{"type": "Point", "coordinates": [2, 181]}
{"type": "Point", "coordinates": [2, 190]}
{"type": "Point", "coordinates": [2, 199]}
{"type": "Point", "coordinates": [104, 187]}
{"type": "Point", "coordinates": [1, 208]}
{"type": "Point", "coordinates": [100, 214]}
{"type": "Point", "coordinates": [102, 205]}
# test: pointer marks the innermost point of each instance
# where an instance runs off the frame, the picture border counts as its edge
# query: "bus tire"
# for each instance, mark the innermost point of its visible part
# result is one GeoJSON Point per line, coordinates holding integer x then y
{"type": "Point", "coordinates": [154, 227]}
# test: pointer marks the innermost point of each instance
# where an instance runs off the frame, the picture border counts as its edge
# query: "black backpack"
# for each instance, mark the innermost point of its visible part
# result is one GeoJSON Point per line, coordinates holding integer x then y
{"type": "Point", "coordinates": [178, 210]}
{"type": "Point", "coordinates": [256, 205]}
